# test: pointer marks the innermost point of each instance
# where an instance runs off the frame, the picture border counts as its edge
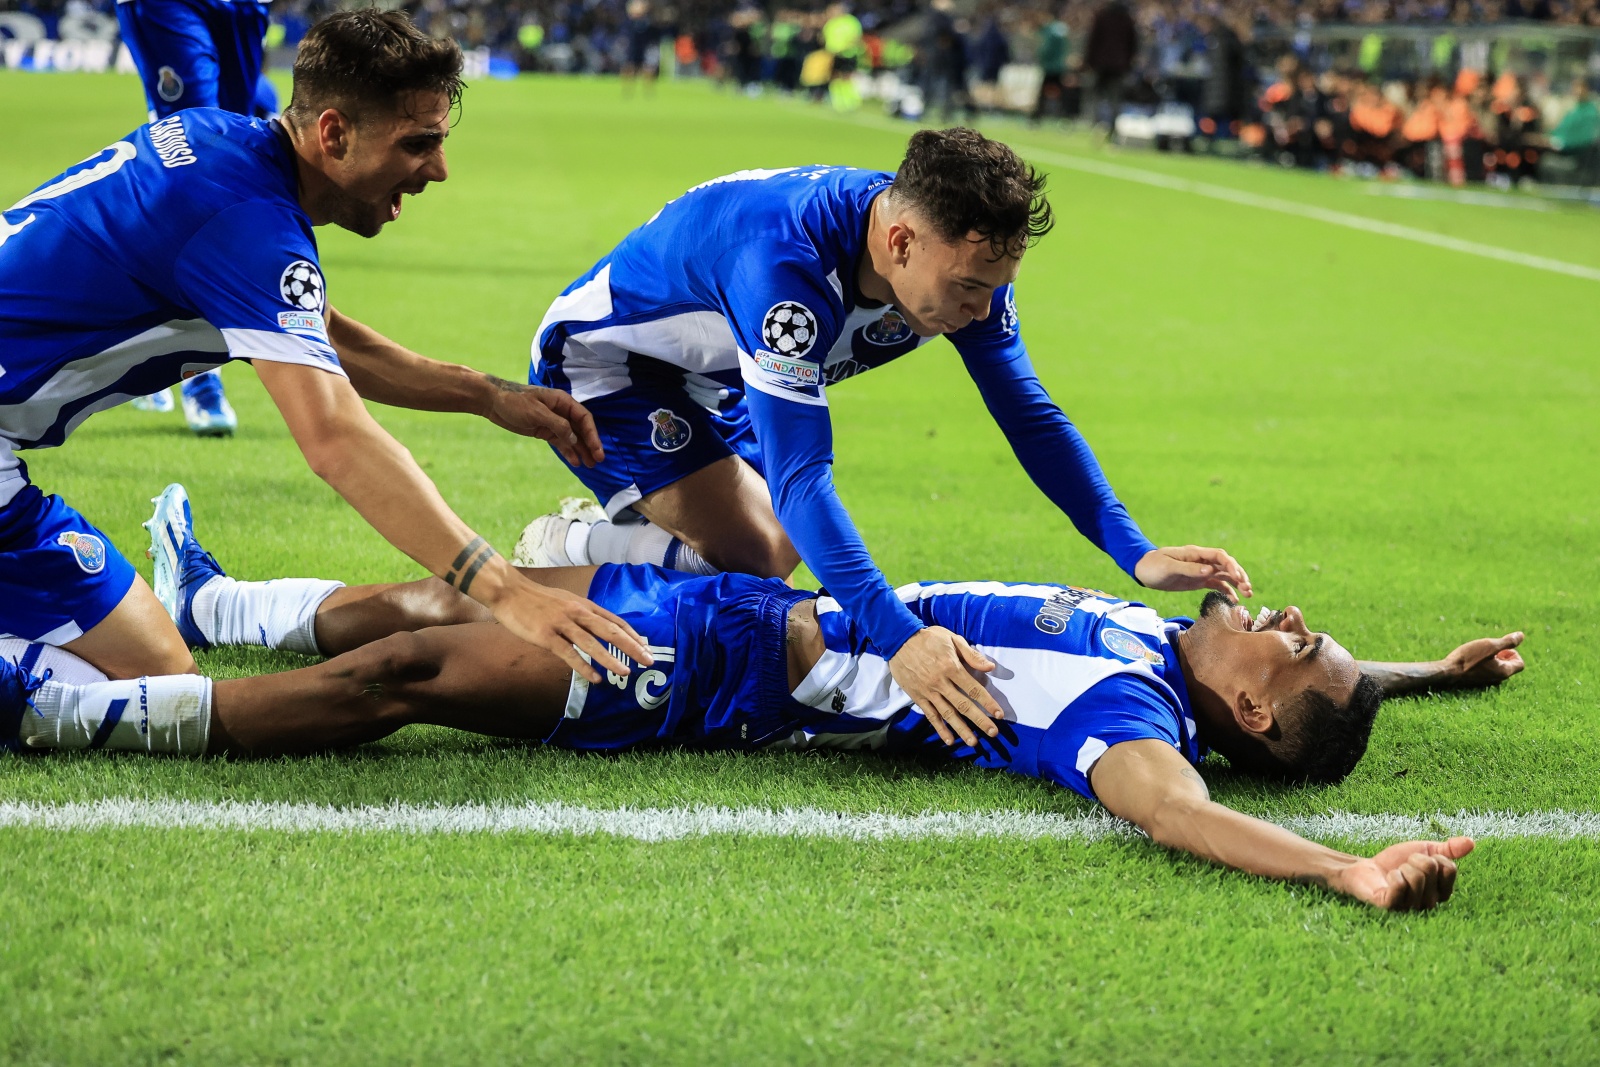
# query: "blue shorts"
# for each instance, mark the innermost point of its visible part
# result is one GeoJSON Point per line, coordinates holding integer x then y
{"type": "Point", "coordinates": [59, 576]}
{"type": "Point", "coordinates": [196, 53]}
{"type": "Point", "coordinates": [655, 434]}
{"type": "Point", "coordinates": [721, 673]}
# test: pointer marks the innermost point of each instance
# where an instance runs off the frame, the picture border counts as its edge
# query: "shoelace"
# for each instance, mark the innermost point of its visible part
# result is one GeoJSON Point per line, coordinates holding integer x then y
{"type": "Point", "coordinates": [31, 684]}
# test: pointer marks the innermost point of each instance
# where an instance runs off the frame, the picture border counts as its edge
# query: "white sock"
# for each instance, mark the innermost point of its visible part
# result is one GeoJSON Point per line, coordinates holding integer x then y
{"type": "Point", "coordinates": [633, 542]}
{"type": "Point", "coordinates": [166, 714]}
{"type": "Point", "coordinates": [281, 613]}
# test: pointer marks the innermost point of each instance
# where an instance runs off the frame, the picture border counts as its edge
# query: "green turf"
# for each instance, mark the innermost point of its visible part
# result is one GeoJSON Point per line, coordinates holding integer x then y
{"type": "Point", "coordinates": [1399, 438]}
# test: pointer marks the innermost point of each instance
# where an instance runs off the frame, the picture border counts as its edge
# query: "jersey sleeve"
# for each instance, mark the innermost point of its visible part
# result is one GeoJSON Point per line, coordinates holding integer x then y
{"type": "Point", "coordinates": [1048, 445]}
{"type": "Point", "coordinates": [785, 317]}
{"type": "Point", "coordinates": [1121, 708]}
{"type": "Point", "coordinates": [251, 271]}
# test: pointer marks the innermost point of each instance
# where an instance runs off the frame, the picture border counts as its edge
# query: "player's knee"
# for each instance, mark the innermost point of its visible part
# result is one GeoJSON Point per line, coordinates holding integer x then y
{"type": "Point", "coordinates": [764, 553]}
{"type": "Point", "coordinates": [431, 602]}
{"type": "Point", "coordinates": [394, 661]}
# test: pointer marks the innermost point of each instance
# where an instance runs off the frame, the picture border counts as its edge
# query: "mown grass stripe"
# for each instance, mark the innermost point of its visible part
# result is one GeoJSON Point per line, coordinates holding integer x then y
{"type": "Point", "coordinates": [665, 824]}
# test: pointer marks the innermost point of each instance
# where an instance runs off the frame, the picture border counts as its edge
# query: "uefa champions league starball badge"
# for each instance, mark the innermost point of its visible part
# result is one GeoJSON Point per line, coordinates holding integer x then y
{"type": "Point", "coordinates": [301, 285]}
{"type": "Point", "coordinates": [789, 329]}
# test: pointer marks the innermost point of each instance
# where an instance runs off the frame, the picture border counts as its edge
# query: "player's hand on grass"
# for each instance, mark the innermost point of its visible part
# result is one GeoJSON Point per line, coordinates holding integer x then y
{"type": "Point", "coordinates": [1412, 876]}
{"type": "Point", "coordinates": [1177, 570]}
{"type": "Point", "coordinates": [1486, 661]}
{"type": "Point", "coordinates": [548, 414]}
{"type": "Point", "coordinates": [564, 623]}
{"type": "Point", "coordinates": [936, 669]}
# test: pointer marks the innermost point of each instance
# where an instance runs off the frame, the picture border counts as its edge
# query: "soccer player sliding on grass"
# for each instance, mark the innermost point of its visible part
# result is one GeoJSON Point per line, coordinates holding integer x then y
{"type": "Point", "coordinates": [189, 244]}
{"type": "Point", "coordinates": [1096, 694]}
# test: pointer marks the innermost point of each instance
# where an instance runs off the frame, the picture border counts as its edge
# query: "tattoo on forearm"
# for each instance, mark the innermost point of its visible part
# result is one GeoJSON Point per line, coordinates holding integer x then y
{"type": "Point", "coordinates": [468, 563]}
{"type": "Point", "coordinates": [1194, 776]}
{"type": "Point", "coordinates": [505, 386]}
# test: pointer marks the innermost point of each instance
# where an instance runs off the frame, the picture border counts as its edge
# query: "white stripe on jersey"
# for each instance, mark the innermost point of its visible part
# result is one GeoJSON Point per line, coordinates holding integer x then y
{"type": "Point", "coordinates": [11, 479]}
{"type": "Point", "coordinates": [1033, 686]}
{"type": "Point", "coordinates": [33, 417]}
{"type": "Point", "coordinates": [282, 348]}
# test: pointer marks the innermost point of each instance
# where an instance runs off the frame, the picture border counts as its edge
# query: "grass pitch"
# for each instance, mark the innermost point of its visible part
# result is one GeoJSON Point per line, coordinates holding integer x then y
{"type": "Point", "coordinates": [1399, 438]}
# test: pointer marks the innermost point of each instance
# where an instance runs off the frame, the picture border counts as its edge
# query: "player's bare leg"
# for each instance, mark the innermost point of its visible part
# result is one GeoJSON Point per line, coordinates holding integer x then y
{"type": "Point", "coordinates": [136, 639]}
{"type": "Point", "coordinates": [354, 616]}
{"type": "Point", "coordinates": [724, 512]}
{"type": "Point", "coordinates": [477, 677]}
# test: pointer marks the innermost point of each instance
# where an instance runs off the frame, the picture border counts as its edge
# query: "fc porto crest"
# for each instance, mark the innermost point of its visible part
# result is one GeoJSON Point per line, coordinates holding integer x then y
{"type": "Point", "coordinates": [169, 86]}
{"type": "Point", "coordinates": [88, 549]}
{"type": "Point", "coordinates": [668, 432]}
{"type": "Point", "coordinates": [891, 329]}
{"type": "Point", "coordinates": [1126, 646]}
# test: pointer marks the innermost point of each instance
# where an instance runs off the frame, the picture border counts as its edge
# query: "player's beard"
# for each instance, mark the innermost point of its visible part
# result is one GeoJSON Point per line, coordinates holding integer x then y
{"type": "Point", "coordinates": [354, 214]}
{"type": "Point", "coordinates": [1213, 603]}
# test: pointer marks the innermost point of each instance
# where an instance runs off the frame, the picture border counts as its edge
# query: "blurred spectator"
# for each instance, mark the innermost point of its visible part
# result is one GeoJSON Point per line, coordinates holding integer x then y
{"type": "Point", "coordinates": [1577, 135]}
{"type": "Point", "coordinates": [1108, 56]}
{"type": "Point", "coordinates": [944, 61]}
{"type": "Point", "coordinates": [842, 36]}
{"type": "Point", "coordinates": [1227, 88]}
{"type": "Point", "coordinates": [641, 44]}
{"type": "Point", "coordinates": [991, 52]}
{"type": "Point", "coordinates": [1051, 56]}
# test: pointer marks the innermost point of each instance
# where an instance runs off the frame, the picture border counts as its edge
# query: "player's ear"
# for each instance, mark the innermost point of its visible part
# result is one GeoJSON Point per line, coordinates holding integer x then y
{"type": "Point", "coordinates": [333, 133]}
{"type": "Point", "coordinates": [900, 237]}
{"type": "Point", "coordinates": [1250, 717]}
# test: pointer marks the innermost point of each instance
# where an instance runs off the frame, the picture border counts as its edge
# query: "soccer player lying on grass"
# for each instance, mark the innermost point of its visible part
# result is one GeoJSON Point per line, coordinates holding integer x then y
{"type": "Point", "coordinates": [1099, 695]}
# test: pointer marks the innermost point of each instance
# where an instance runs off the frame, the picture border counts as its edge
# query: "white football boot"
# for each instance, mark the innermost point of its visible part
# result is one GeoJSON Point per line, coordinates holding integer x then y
{"type": "Point", "coordinates": [206, 407]}
{"type": "Point", "coordinates": [158, 402]}
{"type": "Point", "coordinates": [544, 541]}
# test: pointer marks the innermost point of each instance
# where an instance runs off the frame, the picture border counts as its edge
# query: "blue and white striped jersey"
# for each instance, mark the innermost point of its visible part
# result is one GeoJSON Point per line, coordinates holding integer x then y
{"type": "Point", "coordinates": [1077, 671]}
{"type": "Point", "coordinates": [746, 286]}
{"type": "Point", "coordinates": [175, 250]}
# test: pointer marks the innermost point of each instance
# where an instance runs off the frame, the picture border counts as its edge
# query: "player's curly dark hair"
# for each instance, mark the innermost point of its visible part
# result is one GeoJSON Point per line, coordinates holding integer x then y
{"type": "Point", "coordinates": [1319, 741]}
{"type": "Point", "coordinates": [964, 183]}
{"type": "Point", "coordinates": [368, 59]}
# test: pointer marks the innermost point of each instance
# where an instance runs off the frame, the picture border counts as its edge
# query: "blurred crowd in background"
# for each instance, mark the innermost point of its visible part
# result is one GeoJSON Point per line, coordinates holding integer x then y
{"type": "Point", "coordinates": [1499, 91]}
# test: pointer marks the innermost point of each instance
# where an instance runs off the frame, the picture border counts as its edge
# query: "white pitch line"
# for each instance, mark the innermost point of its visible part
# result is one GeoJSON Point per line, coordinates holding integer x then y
{"type": "Point", "coordinates": [667, 824]}
{"type": "Point", "coordinates": [1308, 211]}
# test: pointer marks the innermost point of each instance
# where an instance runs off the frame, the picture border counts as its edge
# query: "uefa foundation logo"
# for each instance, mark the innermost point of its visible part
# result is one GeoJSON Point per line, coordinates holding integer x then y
{"type": "Point", "coordinates": [89, 550]}
{"type": "Point", "coordinates": [301, 285]}
{"type": "Point", "coordinates": [668, 432]}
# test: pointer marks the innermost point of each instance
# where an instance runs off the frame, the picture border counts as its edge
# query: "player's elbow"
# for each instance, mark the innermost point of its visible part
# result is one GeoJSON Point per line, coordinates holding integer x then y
{"type": "Point", "coordinates": [1174, 821]}
{"type": "Point", "coordinates": [335, 449]}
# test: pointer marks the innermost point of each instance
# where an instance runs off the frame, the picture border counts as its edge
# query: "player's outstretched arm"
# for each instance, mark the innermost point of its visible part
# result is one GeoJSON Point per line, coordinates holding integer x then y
{"type": "Point", "coordinates": [1488, 661]}
{"type": "Point", "coordinates": [388, 373]}
{"type": "Point", "coordinates": [378, 477]}
{"type": "Point", "coordinates": [1149, 784]}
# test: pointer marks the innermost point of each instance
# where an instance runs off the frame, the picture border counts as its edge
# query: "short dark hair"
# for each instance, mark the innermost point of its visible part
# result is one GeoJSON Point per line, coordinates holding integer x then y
{"type": "Point", "coordinates": [964, 183]}
{"type": "Point", "coordinates": [1318, 742]}
{"type": "Point", "coordinates": [358, 61]}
